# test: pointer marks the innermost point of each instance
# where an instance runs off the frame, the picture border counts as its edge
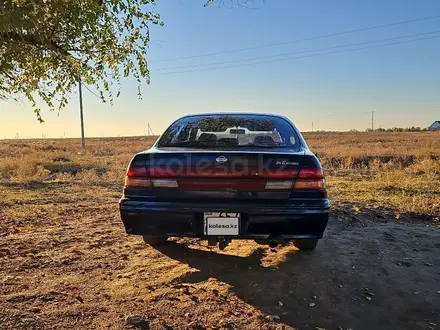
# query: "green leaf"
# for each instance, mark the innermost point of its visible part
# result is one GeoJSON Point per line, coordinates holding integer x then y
{"type": "Point", "coordinates": [46, 49]}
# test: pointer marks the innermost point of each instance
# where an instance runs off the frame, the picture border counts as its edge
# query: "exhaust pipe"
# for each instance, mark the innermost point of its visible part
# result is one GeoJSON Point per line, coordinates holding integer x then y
{"type": "Point", "coordinates": [273, 243]}
{"type": "Point", "coordinates": [223, 242]}
{"type": "Point", "coordinates": [275, 240]}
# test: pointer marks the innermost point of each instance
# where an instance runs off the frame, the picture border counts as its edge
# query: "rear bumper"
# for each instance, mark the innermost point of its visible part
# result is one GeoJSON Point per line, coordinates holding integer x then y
{"type": "Point", "coordinates": [296, 219]}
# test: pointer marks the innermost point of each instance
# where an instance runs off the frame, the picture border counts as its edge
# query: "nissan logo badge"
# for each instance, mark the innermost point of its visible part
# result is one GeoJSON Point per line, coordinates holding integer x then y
{"type": "Point", "coordinates": [221, 159]}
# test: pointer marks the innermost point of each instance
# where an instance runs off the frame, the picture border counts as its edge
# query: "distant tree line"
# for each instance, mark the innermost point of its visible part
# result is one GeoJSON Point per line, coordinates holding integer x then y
{"type": "Point", "coordinates": [393, 129]}
{"type": "Point", "coordinates": [399, 129]}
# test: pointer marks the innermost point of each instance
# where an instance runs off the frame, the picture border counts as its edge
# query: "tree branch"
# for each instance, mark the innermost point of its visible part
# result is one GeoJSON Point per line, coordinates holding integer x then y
{"type": "Point", "coordinates": [33, 41]}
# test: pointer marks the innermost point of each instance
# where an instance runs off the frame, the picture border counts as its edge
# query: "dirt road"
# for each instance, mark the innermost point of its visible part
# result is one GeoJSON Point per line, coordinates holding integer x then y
{"type": "Point", "coordinates": [68, 264]}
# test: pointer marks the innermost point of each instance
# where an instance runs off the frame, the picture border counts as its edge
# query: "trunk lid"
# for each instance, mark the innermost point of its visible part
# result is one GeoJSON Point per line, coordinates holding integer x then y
{"type": "Point", "coordinates": [222, 175]}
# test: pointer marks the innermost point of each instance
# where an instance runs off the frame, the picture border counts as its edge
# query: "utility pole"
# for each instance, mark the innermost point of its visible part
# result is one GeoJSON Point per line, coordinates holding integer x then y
{"type": "Point", "coordinates": [372, 121]}
{"type": "Point", "coordinates": [83, 140]}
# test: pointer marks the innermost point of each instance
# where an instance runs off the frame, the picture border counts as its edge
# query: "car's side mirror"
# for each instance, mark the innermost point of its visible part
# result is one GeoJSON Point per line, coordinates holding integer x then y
{"type": "Point", "coordinates": [316, 154]}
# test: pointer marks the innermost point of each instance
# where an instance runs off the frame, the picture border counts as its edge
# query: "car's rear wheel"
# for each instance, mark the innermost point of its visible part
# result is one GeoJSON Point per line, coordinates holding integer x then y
{"type": "Point", "coordinates": [155, 240]}
{"type": "Point", "coordinates": [306, 244]}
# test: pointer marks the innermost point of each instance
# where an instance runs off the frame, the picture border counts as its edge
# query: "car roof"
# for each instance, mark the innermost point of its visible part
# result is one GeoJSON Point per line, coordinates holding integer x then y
{"type": "Point", "coordinates": [235, 113]}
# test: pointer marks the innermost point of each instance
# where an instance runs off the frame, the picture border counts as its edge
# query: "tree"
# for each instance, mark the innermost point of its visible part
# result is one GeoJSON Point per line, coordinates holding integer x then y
{"type": "Point", "coordinates": [48, 46]}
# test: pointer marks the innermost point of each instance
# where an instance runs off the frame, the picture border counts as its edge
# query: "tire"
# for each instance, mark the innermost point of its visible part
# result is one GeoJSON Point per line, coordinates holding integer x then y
{"type": "Point", "coordinates": [155, 240]}
{"type": "Point", "coordinates": [306, 244]}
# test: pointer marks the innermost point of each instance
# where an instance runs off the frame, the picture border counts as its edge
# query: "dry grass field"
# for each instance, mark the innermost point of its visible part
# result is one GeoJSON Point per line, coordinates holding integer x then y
{"type": "Point", "coordinates": [65, 261]}
{"type": "Point", "coordinates": [400, 171]}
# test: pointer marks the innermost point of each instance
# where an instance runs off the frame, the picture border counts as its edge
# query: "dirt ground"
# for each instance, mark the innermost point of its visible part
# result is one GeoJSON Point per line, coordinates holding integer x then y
{"type": "Point", "coordinates": [66, 263]}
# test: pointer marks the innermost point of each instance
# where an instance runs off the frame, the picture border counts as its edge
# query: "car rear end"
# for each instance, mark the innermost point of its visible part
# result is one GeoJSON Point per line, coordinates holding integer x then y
{"type": "Point", "coordinates": [255, 180]}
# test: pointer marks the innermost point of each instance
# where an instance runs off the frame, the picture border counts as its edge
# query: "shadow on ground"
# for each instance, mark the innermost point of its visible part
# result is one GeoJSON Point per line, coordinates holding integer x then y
{"type": "Point", "coordinates": [348, 282]}
{"type": "Point", "coordinates": [285, 291]}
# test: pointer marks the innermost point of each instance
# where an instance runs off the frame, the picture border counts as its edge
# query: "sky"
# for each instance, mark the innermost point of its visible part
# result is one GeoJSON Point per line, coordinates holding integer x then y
{"type": "Point", "coordinates": [331, 90]}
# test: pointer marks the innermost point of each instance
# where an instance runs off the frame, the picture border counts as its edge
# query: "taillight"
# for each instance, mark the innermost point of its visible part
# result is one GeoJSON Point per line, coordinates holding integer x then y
{"type": "Point", "coordinates": [140, 177]}
{"type": "Point", "coordinates": [159, 183]}
{"type": "Point", "coordinates": [310, 173]}
{"type": "Point", "coordinates": [310, 184]}
{"type": "Point", "coordinates": [310, 178]}
{"type": "Point", "coordinates": [137, 177]}
{"type": "Point", "coordinates": [221, 179]}
{"type": "Point", "coordinates": [279, 185]}
{"type": "Point", "coordinates": [275, 176]}
{"type": "Point", "coordinates": [251, 179]}
{"type": "Point", "coordinates": [137, 172]}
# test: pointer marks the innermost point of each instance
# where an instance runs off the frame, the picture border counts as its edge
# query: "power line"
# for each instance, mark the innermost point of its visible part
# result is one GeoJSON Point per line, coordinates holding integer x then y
{"type": "Point", "coordinates": [300, 40]}
{"type": "Point", "coordinates": [93, 93]}
{"type": "Point", "coordinates": [407, 111]}
{"type": "Point", "coordinates": [301, 52]}
{"type": "Point", "coordinates": [371, 113]}
{"type": "Point", "coordinates": [346, 114]}
{"type": "Point", "coordinates": [386, 111]}
{"type": "Point", "coordinates": [298, 57]}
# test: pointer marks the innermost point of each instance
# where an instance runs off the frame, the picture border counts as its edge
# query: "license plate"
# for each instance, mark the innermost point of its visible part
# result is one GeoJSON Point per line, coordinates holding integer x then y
{"type": "Point", "coordinates": [221, 223]}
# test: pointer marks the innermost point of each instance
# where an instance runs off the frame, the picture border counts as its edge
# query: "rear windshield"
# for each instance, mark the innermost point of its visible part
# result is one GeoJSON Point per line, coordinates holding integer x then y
{"type": "Point", "coordinates": [230, 131]}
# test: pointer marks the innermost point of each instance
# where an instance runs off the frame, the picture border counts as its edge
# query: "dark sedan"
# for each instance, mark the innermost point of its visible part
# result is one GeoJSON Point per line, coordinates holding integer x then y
{"type": "Point", "coordinates": [227, 176]}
